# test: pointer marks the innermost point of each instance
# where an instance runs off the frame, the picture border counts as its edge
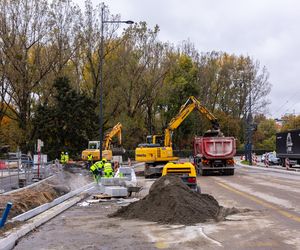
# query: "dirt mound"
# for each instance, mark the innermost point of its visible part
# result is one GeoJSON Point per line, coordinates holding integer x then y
{"type": "Point", "coordinates": [170, 201]}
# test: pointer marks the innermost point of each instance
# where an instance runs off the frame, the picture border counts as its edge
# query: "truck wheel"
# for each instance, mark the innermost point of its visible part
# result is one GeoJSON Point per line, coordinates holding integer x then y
{"type": "Point", "coordinates": [230, 172]}
{"type": "Point", "coordinates": [203, 172]}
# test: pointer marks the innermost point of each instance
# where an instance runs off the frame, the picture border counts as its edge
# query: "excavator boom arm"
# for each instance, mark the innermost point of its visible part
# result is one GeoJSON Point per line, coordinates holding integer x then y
{"type": "Point", "coordinates": [183, 113]}
{"type": "Point", "coordinates": [116, 130]}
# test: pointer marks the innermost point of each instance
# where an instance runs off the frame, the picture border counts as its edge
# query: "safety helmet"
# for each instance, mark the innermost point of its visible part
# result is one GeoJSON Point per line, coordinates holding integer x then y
{"type": "Point", "coordinates": [62, 152]}
{"type": "Point", "coordinates": [66, 153]}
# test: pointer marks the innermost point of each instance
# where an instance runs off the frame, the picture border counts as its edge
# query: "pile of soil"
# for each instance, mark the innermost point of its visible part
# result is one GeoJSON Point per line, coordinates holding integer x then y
{"type": "Point", "coordinates": [170, 201]}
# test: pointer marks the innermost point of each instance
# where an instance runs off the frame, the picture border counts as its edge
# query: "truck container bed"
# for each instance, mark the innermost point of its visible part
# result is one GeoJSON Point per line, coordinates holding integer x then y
{"type": "Point", "coordinates": [215, 147]}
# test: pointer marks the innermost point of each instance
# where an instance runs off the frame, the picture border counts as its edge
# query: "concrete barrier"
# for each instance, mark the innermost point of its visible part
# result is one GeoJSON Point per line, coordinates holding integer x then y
{"type": "Point", "coordinates": [10, 240]}
{"type": "Point", "coordinates": [33, 212]}
{"type": "Point", "coordinates": [282, 171]}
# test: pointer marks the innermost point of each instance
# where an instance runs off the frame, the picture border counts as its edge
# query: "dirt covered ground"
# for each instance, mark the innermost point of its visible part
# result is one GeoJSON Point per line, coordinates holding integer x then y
{"type": "Point", "coordinates": [61, 183]}
{"type": "Point", "coordinates": [102, 231]}
{"type": "Point", "coordinates": [267, 218]}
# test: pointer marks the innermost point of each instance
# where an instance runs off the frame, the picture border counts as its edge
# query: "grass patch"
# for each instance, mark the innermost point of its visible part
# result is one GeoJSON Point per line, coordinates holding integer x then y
{"type": "Point", "coordinates": [245, 162]}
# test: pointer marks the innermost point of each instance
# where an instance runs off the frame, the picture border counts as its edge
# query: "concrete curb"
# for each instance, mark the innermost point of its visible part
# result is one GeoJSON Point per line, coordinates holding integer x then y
{"type": "Point", "coordinates": [33, 212]}
{"type": "Point", "coordinates": [283, 171]}
{"type": "Point", "coordinates": [10, 241]}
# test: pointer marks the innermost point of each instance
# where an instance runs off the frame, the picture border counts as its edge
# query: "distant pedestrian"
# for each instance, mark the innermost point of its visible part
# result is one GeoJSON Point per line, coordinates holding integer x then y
{"type": "Point", "coordinates": [66, 157]}
{"type": "Point", "coordinates": [62, 158]}
{"type": "Point", "coordinates": [90, 160]}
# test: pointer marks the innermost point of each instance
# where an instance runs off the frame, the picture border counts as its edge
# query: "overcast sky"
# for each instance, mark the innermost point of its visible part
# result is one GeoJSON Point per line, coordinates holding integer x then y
{"type": "Point", "coordinates": [266, 30]}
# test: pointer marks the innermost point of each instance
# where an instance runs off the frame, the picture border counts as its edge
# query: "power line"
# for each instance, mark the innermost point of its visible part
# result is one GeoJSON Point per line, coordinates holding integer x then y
{"type": "Point", "coordinates": [286, 102]}
{"type": "Point", "coordinates": [293, 105]}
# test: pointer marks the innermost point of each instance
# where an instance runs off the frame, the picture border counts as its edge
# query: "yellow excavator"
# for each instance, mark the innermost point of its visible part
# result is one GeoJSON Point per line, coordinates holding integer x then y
{"type": "Point", "coordinates": [158, 149]}
{"type": "Point", "coordinates": [93, 146]}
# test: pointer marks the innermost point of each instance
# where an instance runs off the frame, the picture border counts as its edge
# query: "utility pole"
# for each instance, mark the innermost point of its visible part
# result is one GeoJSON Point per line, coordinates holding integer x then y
{"type": "Point", "coordinates": [101, 83]}
{"type": "Point", "coordinates": [250, 128]}
{"type": "Point", "coordinates": [101, 55]}
{"type": "Point", "coordinates": [250, 132]}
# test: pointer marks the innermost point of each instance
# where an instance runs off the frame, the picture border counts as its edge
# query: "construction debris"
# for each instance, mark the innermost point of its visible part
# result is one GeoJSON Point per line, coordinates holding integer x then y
{"type": "Point", "coordinates": [170, 201]}
{"type": "Point", "coordinates": [101, 196]}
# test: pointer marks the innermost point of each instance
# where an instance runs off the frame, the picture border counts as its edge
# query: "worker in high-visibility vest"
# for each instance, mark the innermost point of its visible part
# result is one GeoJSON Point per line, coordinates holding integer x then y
{"type": "Point", "coordinates": [62, 158]}
{"type": "Point", "coordinates": [96, 170]}
{"type": "Point", "coordinates": [108, 170]}
{"type": "Point", "coordinates": [66, 157]}
{"type": "Point", "coordinates": [90, 160]}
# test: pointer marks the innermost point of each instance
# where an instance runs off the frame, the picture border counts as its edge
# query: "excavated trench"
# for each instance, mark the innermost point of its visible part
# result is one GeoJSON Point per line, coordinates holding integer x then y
{"type": "Point", "coordinates": [26, 199]}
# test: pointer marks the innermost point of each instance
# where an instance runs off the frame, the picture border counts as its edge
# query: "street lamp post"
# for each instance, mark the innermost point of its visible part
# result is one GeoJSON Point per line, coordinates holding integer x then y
{"type": "Point", "coordinates": [250, 128]}
{"type": "Point", "coordinates": [101, 72]}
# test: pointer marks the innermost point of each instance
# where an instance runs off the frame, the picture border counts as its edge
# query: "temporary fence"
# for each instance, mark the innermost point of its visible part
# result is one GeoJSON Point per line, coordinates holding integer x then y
{"type": "Point", "coordinates": [16, 174]}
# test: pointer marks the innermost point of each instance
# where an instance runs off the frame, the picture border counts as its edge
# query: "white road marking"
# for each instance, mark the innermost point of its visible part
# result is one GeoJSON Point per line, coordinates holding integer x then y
{"type": "Point", "coordinates": [167, 235]}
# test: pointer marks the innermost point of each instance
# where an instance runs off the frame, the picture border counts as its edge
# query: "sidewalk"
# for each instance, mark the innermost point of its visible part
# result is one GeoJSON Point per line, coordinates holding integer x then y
{"type": "Point", "coordinates": [273, 168]}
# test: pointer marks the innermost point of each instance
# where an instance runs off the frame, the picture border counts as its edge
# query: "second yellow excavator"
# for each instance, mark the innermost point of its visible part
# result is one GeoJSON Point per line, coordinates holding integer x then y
{"type": "Point", "coordinates": [93, 147]}
{"type": "Point", "coordinates": [158, 149]}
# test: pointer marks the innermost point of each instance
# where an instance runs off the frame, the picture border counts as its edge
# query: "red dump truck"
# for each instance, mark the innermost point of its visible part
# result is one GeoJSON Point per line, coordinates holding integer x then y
{"type": "Point", "coordinates": [214, 154]}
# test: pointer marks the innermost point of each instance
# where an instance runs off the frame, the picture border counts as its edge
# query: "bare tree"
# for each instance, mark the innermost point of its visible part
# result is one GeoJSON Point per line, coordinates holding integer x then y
{"type": "Point", "coordinates": [33, 45]}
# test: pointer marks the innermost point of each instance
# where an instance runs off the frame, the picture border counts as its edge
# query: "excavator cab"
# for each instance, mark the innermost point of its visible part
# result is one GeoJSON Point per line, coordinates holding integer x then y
{"type": "Point", "coordinates": [150, 139]}
{"type": "Point", "coordinates": [94, 145]}
{"type": "Point", "coordinates": [155, 139]}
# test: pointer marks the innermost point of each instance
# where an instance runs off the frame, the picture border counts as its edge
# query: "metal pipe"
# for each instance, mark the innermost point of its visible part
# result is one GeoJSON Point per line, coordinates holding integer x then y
{"type": "Point", "coordinates": [5, 214]}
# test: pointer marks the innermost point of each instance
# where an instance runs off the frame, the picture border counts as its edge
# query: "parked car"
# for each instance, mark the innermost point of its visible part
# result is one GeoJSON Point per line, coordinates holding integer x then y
{"type": "Point", "coordinates": [26, 160]}
{"type": "Point", "coordinates": [273, 159]}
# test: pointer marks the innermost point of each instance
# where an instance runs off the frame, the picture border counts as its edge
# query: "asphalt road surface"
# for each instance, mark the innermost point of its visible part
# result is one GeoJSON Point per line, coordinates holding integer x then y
{"type": "Point", "coordinates": [270, 219]}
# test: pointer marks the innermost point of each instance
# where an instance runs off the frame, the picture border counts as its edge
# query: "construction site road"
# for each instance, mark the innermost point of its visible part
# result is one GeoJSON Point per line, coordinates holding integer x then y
{"type": "Point", "coordinates": [270, 202]}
